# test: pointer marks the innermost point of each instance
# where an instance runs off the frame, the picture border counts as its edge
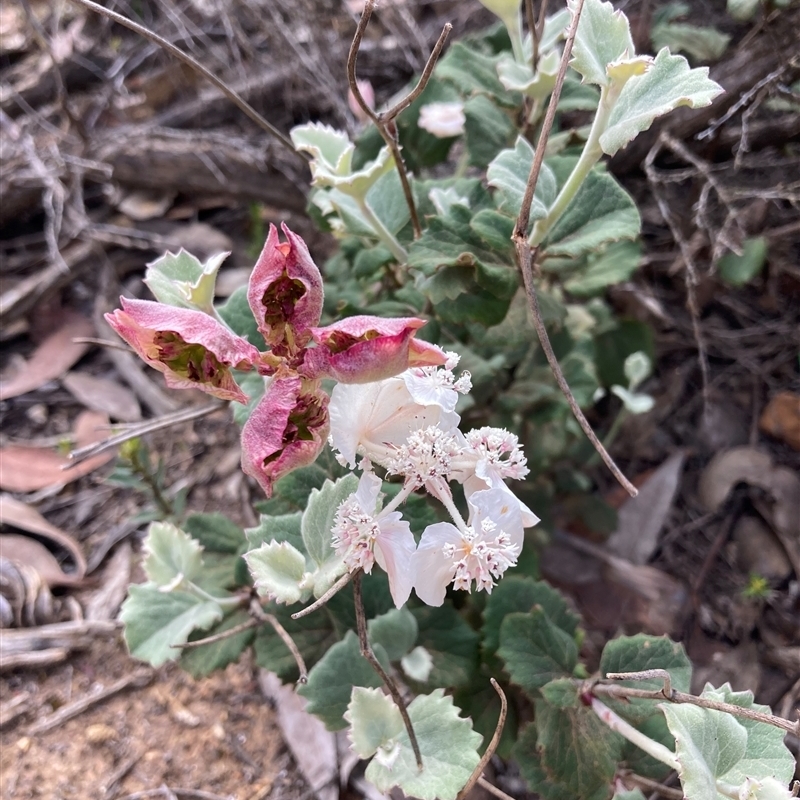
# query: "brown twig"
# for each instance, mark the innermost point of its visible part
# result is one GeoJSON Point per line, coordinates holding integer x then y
{"type": "Point", "coordinates": [140, 429]}
{"type": "Point", "coordinates": [335, 589]}
{"type": "Point", "coordinates": [674, 696]}
{"type": "Point", "coordinates": [218, 637]}
{"type": "Point", "coordinates": [534, 32]}
{"type": "Point", "coordinates": [477, 773]}
{"type": "Point", "coordinates": [367, 652]}
{"type": "Point", "coordinates": [384, 121]}
{"type": "Point", "coordinates": [492, 789]}
{"type": "Point", "coordinates": [691, 278]}
{"type": "Point", "coordinates": [190, 61]}
{"type": "Point", "coordinates": [263, 616]}
{"type": "Point", "coordinates": [525, 258]}
{"type": "Point", "coordinates": [136, 680]}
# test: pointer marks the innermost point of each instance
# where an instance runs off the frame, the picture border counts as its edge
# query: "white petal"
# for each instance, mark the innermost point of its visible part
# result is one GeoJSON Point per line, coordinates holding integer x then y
{"type": "Point", "coordinates": [434, 571]}
{"type": "Point", "coordinates": [394, 552]}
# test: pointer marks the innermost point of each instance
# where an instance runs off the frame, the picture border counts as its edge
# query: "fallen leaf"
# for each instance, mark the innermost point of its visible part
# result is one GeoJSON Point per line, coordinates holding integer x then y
{"type": "Point", "coordinates": [758, 550]}
{"type": "Point", "coordinates": [102, 394]}
{"type": "Point", "coordinates": [201, 239]}
{"type": "Point", "coordinates": [105, 602]}
{"type": "Point", "coordinates": [27, 469]}
{"type": "Point", "coordinates": [640, 519]}
{"type": "Point", "coordinates": [781, 418]}
{"type": "Point", "coordinates": [144, 204]}
{"type": "Point", "coordinates": [313, 747]}
{"type": "Point", "coordinates": [753, 467]}
{"type": "Point", "coordinates": [28, 551]}
{"type": "Point", "coordinates": [19, 515]}
{"type": "Point", "coordinates": [51, 359]}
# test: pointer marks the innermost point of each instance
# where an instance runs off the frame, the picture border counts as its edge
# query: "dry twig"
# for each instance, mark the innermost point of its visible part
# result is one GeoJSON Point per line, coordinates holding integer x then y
{"type": "Point", "coordinates": [384, 121]}
{"type": "Point", "coordinates": [526, 257]}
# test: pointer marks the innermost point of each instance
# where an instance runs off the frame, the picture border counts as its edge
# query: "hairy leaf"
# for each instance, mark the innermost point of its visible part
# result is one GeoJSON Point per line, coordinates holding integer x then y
{"type": "Point", "coordinates": [395, 631]}
{"type": "Point", "coordinates": [171, 555]}
{"type": "Point", "coordinates": [205, 659]}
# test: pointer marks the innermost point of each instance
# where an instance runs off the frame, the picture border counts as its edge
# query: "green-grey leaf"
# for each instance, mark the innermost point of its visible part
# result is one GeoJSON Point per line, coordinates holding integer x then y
{"type": "Point", "coordinates": [633, 794]}
{"type": "Point", "coordinates": [712, 745]}
{"type": "Point", "coordinates": [487, 130]}
{"type": "Point", "coordinates": [387, 201]}
{"type": "Point", "coordinates": [603, 36]}
{"type": "Point", "coordinates": [179, 279]}
{"type": "Point", "coordinates": [535, 650]}
{"type": "Point", "coordinates": [279, 528]}
{"type": "Point", "coordinates": [642, 652]}
{"type": "Point", "coordinates": [237, 315]}
{"type": "Point", "coordinates": [739, 270]}
{"type": "Point", "coordinates": [451, 642]}
{"type": "Point", "coordinates": [322, 141]}
{"type": "Point", "coordinates": [279, 572]}
{"type": "Point", "coordinates": [449, 750]}
{"type": "Point", "coordinates": [157, 622]}
{"type": "Point", "coordinates": [562, 693]}
{"type": "Point", "coordinates": [742, 10]}
{"type": "Point", "coordinates": [470, 71]}
{"type": "Point", "coordinates": [171, 554]}
{"type": "Point", "coordinates": [331, 680]}
{"type": "Point", "coordinates": [396, 631]}
{"type": "Point", "coordinates": [375, 721]}
{"type": "Point", "coordinates": [520, 594]}
{"type": "Point", "coordinates": [701, 43]}
{"type": "Point", "coordinates": [508, 173]}
{"type": "Point", "coordinates": [615, 264]}
{"type": "Point", "coordinates": [602, 211]}
{"type": "Point", "coordinates": [317, 521]}
{"type": "Point", "coordinates": [668, 84]}
{"type": "Point", "coordinates": [215, 532]}
{"type": "Point", "coordinates": [205, 659]}
{"type": "Point", "coordinates": [417, 664]}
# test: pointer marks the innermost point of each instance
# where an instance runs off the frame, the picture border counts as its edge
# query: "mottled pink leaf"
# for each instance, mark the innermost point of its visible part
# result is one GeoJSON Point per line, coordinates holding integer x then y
{"type": "Point", "coordinates": [285, 292]}
{"type": "Point", "coordinates": [286, 430]}
{"type": "Point", "coordinates": [366, 349]}
{"type": "Point", "coordinates": [192, 349]}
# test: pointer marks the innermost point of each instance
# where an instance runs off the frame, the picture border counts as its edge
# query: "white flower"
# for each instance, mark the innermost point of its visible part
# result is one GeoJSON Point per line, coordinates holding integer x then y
{"type": "Point", "coordinates": [362, 537]}
{"type": "Point", "coordinates": [442, 119]}
{"type": "Point", "coordinates": [374, 419]}
{"type": "Point", "coordinates": [480, 552]}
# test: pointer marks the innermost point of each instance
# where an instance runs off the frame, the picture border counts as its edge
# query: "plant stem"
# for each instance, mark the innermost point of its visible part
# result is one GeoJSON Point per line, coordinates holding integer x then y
{"type": "Point", "coordinates": [382, 232]}
{"type": "Point", "coordinates": [367, 652]}
{"type": "Point", "coordinates": [335, 589]}
{"type": "Point", "coordinates": [651, 747]}
{"type": "Point", "coordinates": [589, 157]}
{"type": "Point", "coordinates": [263, 616]}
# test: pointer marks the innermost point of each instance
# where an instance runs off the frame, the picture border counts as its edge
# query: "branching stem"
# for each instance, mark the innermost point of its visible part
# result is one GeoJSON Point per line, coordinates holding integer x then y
{"type": "Point", "coordinates": [384, 121]}
{"type": "Point", "coordinates": [263, 616]}
{"type": "Point", "coordinates": [477, 773]}
{"type": "Point", "coordinates": [525, 258]}
{"type": "Point", "coordinates": [368, 653]}
{"type": "Point", "coordinates": [674, 696]}
{"type": "Point", "coordinates": [335, 589]}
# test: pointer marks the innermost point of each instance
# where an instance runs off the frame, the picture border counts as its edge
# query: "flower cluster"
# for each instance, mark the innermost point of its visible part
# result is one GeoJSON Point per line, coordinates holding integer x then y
{"type": "Point", "coordinates": [392, 408]}
{"type": "Point", "coordinates": [408, 426]}
{"type": "Point", "coordinates": [186, 340]}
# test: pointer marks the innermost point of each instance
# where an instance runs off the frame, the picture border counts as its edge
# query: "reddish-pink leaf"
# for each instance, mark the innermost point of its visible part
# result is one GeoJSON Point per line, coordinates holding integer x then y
{"type": "Point", "coordinates": [285, 292]}
{"type": "Point", "coordinates": [366, 349]}
{"type": "Point", "coordinates": [192, 349]}
{"type": "Point", "coordinates": [286, 430]}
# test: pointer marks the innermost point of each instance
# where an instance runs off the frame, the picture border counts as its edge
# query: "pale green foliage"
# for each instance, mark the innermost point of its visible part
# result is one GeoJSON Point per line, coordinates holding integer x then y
{"type": "Point", "coordinates": [396, 631]}
{"type": "Point", "coordinates": [603, 36]}
{"type": "Point", "coordinates": [417, 664]}
{"type": "Point", "coordinates": [742, 10]}
{"type": "Point", "coordinates": [332, 157]}
{"type": "Point", "coordinates": [449, 750]}
{"type": "Point", "coordinates": [633, 794]}
{"type": "Point", "coordinates": [157, 622]}
{"type": "Point", "coordinates": [180, 279]}
{"type": "Point", "coordinates": [720, 754]}
{"type": "Point", "coordinates": [171, 556]}
{"type": "Point", "coordinates": [279, 572]}
{"type": "Point", "coordinates": [669, 83]}
{"type": "Point", "coordinates": [375, 724]}
{"type": "Point", "coordinates": [739, 270]}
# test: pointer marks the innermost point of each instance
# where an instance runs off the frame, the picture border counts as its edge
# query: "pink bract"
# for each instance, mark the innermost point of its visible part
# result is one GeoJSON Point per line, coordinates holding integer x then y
{"type": "Point", "coordinates": [285, 292]}
{"type": "Point", "coordinates": [286, 431]}
{"type": "Point", "coordinates": [365, 349]}
{"type": "Point", "coordinates": [192, 349]}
